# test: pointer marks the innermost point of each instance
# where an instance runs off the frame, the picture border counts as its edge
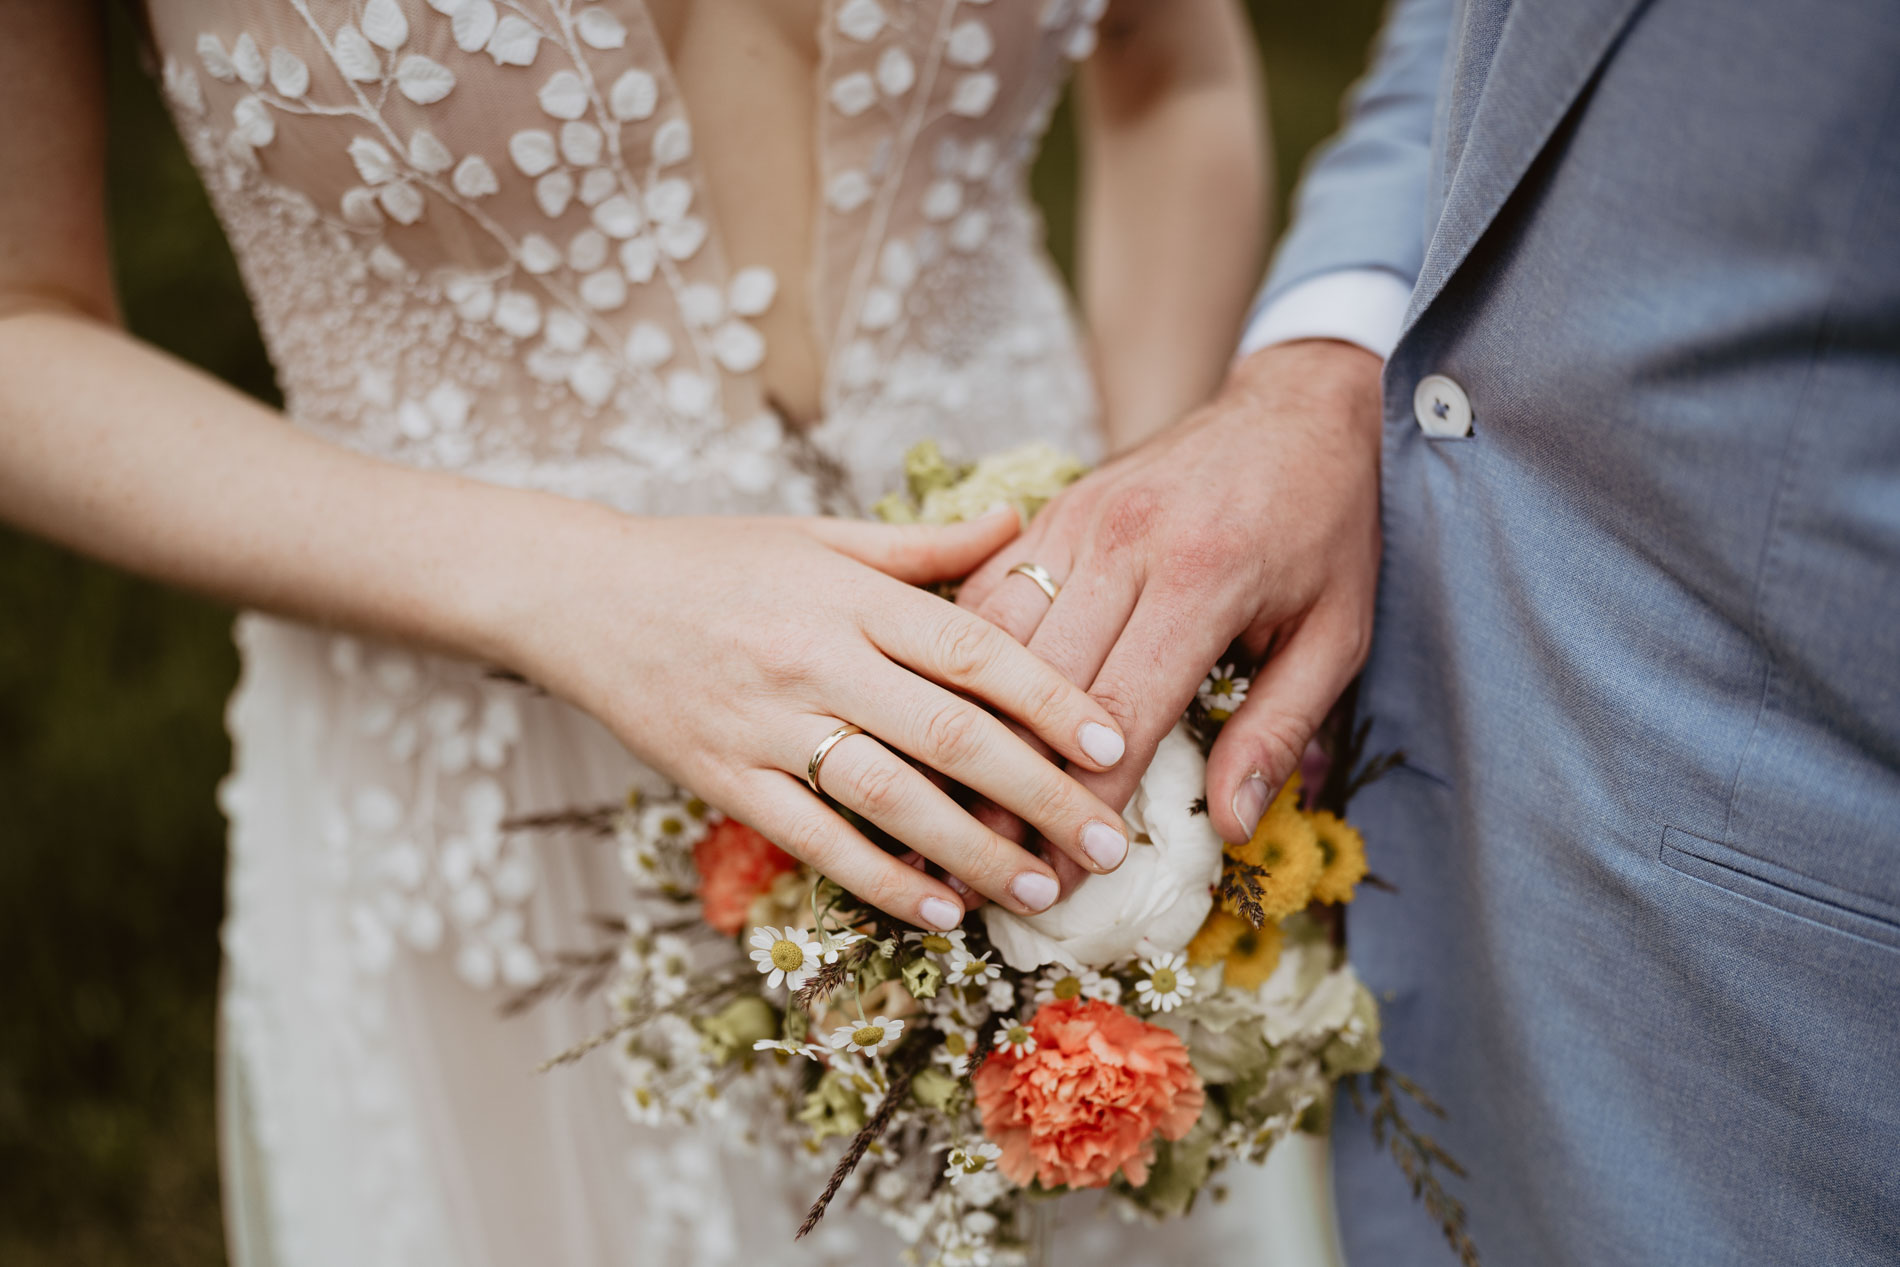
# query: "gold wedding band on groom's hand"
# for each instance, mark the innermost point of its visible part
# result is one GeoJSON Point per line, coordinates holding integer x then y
{"type": "Point", "coordinates": [824, 750]}
{"type": "Point", "coordinates": [1040, 575]}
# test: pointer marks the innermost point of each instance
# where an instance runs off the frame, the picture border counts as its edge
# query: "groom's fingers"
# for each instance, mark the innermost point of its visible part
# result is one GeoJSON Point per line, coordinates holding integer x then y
{"type": "Point", "coordinates": [1074, 637]}
{"type": "Point", "coordinates": [1015, 603]}
{"type": "Point", "coordinates": [1261, 745]}
{"type": "Point", "coordinates": [1083, 625]}
{"type": "Point", "coordinates": [1149, 678]}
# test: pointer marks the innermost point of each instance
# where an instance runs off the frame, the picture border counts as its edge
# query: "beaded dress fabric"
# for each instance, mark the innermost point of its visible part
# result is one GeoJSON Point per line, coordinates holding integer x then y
{"type": "Point", "coordinates": [478, 238]}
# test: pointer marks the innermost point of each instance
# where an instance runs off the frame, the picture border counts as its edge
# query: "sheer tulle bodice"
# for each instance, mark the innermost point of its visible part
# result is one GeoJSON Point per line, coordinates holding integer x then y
{"type": "Point", "coordinates": [479, 236]}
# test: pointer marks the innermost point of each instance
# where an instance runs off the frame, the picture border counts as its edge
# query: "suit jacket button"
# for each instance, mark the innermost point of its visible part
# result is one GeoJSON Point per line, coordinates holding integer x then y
{"type": "Point", "coordinates": [1442, 408]}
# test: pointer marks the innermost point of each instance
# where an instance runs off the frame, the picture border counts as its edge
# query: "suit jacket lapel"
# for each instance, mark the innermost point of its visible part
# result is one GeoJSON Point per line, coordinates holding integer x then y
{"type": "Point", "coordinates": [1546, 55]}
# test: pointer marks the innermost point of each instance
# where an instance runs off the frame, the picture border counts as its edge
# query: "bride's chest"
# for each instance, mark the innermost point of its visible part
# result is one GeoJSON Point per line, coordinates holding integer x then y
{"type": "Point", "coordinates": [668, 209]}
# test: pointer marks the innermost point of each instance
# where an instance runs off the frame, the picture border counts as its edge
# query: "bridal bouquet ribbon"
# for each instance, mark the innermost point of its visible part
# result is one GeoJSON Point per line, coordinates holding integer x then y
{"type": "Point", "coordinates": [1177, 1016]}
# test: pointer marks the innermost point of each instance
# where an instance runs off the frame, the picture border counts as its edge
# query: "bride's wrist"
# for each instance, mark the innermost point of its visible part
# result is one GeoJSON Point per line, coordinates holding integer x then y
{"type": "Point", "coordinates": [528, 583]}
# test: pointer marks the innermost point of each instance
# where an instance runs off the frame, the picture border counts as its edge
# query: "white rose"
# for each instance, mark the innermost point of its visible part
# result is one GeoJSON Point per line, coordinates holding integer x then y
{"type": "Point", "coordinates": [1154, 902]}
{"type": "Point", "coordinates": [1303, 999]}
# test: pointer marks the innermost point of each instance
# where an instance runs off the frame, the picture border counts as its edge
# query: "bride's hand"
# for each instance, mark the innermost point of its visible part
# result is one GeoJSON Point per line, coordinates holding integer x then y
{"type": "Point", "coordinates": [723, 651]}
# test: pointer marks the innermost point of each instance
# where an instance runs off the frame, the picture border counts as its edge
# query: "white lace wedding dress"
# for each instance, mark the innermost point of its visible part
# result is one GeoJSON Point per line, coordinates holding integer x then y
{"type": "Point", "coordinates": [478, 239]}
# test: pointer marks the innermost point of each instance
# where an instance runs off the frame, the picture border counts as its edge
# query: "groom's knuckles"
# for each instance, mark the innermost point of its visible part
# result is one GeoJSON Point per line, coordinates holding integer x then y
{"type": "Point", "coordinates": [1127, 517]}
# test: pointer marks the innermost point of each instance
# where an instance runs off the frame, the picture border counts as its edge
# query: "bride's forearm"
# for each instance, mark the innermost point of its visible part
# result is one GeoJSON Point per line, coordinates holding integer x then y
{"type": "Point", "coordinates": [1174, 204]}
{"type": "Point", "coordinates": [116, 450]}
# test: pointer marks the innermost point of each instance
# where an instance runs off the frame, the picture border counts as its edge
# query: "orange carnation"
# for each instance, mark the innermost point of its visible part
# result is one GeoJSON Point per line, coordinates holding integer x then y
{"type": "Point", "coordinates": [1089, 1099]}
{"type": "Point", "coordinates": [735, 864]}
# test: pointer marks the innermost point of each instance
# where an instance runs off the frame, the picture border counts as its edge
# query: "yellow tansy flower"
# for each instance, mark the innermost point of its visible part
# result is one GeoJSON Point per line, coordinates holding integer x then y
{"type": "Point", "coordinates": [1250, 954]}
{"type": "Point", "coordinates": [1344, 851]}
{"type": "Point", "coordinates": [1216, 938]}
{"type": "Point", "coordinates": [1254, 957]}
{"type": "Point", "coordinates": [1286, 847]}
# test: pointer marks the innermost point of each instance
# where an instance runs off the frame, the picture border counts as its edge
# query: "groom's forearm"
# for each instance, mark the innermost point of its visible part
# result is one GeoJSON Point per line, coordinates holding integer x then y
{"type": "Point", "coordinates": [1363, 201]}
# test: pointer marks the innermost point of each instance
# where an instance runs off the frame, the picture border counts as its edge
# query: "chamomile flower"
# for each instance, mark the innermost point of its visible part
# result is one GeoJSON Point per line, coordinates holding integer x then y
{"type": "Point", "coordinates": [1058, 982]}
{"type": "Point", "coordinates": [674, 826]}
{"type": "Point", "coordinates": [953, 1053]}
{"type": "Point", "coordinates": [965, 968]}
{"type": "Point", "coordinates": [1002, 995]}
{"type": "Point", "coordinates": [788, 955]}
{"type": "Point", "coordinates": [1014, 1039]}
{"type": "Point", "coordinates": [939, 946]}
{"type": "Point", "coordinates": [667, 967]}
{"type": "Point", "coordinates": [1166, 983]}
{"type": "Point", "coordinates": [1223, 692]}
{"type": "Point", "coordinates": [971, 1159]}
{"type": "Point", "coordinates": [834, 943]}
{"type": "Point", "coordinates": [808, 1050]}
{"type": "Point", "coordinates": [872, 1036]}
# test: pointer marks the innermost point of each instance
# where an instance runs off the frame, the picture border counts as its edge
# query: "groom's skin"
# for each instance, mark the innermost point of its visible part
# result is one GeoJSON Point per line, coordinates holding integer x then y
{"type": "Point", "coordinates": [1255, 520]}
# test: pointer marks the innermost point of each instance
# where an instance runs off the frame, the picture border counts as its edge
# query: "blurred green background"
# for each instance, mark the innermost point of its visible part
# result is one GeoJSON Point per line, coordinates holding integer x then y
{"type": "Point", "coordinates": [112, 743]}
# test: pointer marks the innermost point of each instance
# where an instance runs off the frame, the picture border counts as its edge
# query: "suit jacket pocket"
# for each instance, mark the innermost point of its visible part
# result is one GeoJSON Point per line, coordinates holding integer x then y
{"type": "Point", "coordinates": [1802, 896]}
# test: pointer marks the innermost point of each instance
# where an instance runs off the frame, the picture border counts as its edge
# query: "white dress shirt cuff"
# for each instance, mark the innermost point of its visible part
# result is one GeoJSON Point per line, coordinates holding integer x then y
{"type": "Point", "coordinates": [1364, 306]}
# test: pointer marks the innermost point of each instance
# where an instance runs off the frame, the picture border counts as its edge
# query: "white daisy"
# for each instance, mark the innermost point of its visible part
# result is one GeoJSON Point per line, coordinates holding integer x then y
{"type": "Point", "coordinates": [1223, 692]}
{"type": "Point", "coordinates": [808, 1050]}
{"type": "Point", "coordinates": [787, 954]}
{"type": "Point", "coordinates": [1058, 982]}
{"type": "Point", "coordinates": [953, 1053]}
{"type": "Point", "coordinates": [1014, 1039]}
{"type": "Point", "coordinates": [968, 969]}
{"type": "Point", "coordinates": [667, 966]}
{"type": "Point", "coordinates": [939, 946]}
{"type": "Point", "coordinates": [1166, 983]}
{"type": "Point", "coordinates": [836, 942]}
{"type": "Point", "coordinates": [1002, 995]}
{"type": "Point", "coordinates": [971, 1159]}
{"type": "Point", "coordinates": [872, 1036]}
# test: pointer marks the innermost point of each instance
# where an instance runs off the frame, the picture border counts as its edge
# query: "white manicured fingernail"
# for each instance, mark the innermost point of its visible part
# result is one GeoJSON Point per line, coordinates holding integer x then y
{"type": "Point", "coordinates": [1250, 801]}
{"type": "Point", "coordinates": [939, 914]}
{"type": "Point", "coordinates": [1103, 745]}
{"type": "Point", "coordinates": [1105, 846]}
{"type": "Point", "coordinates": [1034, 890]}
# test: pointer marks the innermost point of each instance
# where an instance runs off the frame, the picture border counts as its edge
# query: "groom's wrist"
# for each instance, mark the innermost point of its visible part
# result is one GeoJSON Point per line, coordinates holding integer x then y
{"type": "Point", "coordinates": [1361, 306]}
{"type": "Point", "coordinates": [1320, 375]}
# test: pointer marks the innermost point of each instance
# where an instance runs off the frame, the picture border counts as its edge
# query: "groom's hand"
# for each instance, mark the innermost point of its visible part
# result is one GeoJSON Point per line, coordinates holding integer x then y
{"type": "Point", "coordinates": [1254, 519]}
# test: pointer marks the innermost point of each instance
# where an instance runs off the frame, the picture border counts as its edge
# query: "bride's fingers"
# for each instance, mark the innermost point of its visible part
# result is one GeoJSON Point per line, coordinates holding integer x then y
{"type": "Point", "coordinates": [918, 554]}
{"type": "Point", "coordinates": [955, 738]}
{"type": "Point", "coordinates": [864, 776]}
{"type": "Point", "coordinates": [785, 812]}
{"type": "Point", "coordinates": [957, 649]}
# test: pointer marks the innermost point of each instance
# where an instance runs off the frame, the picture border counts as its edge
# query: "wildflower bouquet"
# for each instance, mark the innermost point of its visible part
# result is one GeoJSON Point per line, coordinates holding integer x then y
{"type": "Point", "coordinates": [1179, 1015]}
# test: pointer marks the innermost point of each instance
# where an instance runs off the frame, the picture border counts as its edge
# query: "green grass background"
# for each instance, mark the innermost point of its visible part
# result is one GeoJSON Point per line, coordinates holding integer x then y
{"type": "Point", "coordinates": [111, 743]}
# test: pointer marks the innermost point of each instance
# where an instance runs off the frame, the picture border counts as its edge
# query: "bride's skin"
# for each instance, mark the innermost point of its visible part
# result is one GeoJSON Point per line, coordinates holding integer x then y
{"type": "Point", "coordinates": [720, 651]}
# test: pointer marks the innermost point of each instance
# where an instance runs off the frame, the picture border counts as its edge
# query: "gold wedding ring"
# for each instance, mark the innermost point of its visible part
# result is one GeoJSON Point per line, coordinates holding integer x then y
{"type": "Point", "coordinates": [824, 750]}
{"type": "Point", "coordinates": [1040, 575]}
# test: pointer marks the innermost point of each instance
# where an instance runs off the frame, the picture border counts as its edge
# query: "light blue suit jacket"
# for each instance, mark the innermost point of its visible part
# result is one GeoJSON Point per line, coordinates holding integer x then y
{"type": "Point", "coordinates": [1639, 634]}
